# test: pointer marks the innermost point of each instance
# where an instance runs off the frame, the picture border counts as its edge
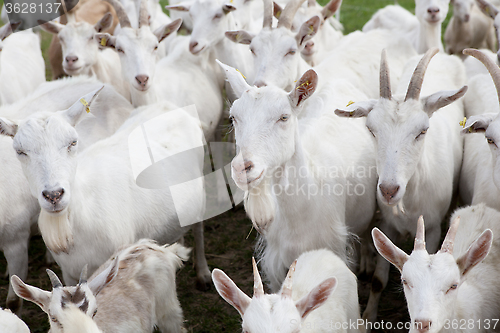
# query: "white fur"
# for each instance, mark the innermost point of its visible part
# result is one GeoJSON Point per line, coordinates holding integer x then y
{"type": "Point", "coordinates": [273, 312]}
{"type": "Point", "coordinates": [11, 323]}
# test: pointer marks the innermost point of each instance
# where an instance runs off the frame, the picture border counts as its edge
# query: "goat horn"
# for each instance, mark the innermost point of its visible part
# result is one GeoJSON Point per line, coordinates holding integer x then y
{"type": "Point", "coordinates": [489, 64]}
{"type": "Point", "coordinates": [120, 12]}
{"type": "Point", "coordinates": [450, 236]}
{"type": "Point", "coordinates": [286, 18]}
{"type": "Point", "coordinates": [258, 288]}
{"type": "Point", "coordinates": [420, 236]}
{"type": "Point", "coordinates": [143, 14]}
{"type": "Point", "coordinates": [83, 275]}
{"type": "Point", "coordinates": [286, 291]}
{"type": "Point", "coordinates": [385, 81]}
{"type": "Point", "coordinates": [268, 14]}
{"type": "Point", "coordinates": [418, 75]}
{"type": "Point", "coordinates": [56, 283]}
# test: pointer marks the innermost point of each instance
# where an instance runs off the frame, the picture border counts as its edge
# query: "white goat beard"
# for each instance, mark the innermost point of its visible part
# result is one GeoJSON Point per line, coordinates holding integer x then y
{"type": "Point", "coordinates": [260, 206]}
{"type": "Point", "coordinates": [56, 231]}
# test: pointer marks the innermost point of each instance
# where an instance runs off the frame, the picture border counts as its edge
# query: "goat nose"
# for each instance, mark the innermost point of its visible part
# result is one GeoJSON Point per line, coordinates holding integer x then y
{"type": "Point", "coordinates": [388, 191]}
{"type": "Point", "coordinates": [247, 166]}
{"type": "Point", "coordinates": [309, 44]}
{"type": "Point", "coordinates": [53, 196]}
{"type": "Point", "coordinates": [467, 18]}
{"type": "Point", "coordinates": [260, 83]}
{"type": "Point", "coordinates": [192, 45]}
{"type": "Point", "coordinates": [423, 325]}
{"type": "Point", "coordinates": [142, 79]}
{"type": "Point", "coordinates": [71, 59]}
{"type": "Point", "coordinates": [433, 10]}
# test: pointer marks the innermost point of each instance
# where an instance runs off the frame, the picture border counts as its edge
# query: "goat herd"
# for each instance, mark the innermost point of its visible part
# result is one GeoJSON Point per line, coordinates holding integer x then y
{"type": "Point", "coordinates": [331, 129]}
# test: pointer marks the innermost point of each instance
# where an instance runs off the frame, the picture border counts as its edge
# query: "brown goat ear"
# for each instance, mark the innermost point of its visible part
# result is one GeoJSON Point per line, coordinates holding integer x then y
{"type": "Point", "coordinates": [476, 252]}
{"type": "Point", "coordinates": [304, 88]}
{"type": "Point", "coordinates": [38, 296]}
{"type": "Point", "coordinates": [388, 250]}
{"type": "Point", "coordinates": [316, 297]}
{"type": "Point", "coordinates": [104, 23]}
{"type": "Point", "coordinates": [228, 290]}
{"type": "Point", "coordinates": [104, 278]}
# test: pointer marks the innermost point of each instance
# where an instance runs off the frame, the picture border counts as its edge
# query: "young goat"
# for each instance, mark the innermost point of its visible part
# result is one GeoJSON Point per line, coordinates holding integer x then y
{"type": "Point", "coordinates": [10, 323]}
{"type": "Point", "coordinates": [456, 289]}
{"type": "Point", "coordinates": [79, 196]}
{"type": "Point", "coordinates": [319, 294]}
{"type": "Point", "coordinates": [81, 54]}
{"type": "Point", "coordinates": [132, 292]}
{"type": "Point", "coordinates": [419, 150]}
{"type": "Point", "coordinates": [480, 176]}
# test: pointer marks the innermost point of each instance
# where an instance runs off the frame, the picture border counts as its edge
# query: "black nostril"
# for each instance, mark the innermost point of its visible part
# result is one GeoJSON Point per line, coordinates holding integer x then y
{"type": "Point", "coordinates": [248, 166]}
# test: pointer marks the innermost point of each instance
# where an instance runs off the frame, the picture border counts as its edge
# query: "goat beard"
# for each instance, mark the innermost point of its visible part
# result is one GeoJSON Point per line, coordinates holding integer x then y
{"type": "Point", "coordinates": [56, 231]}
{"type": "Point", "coordinates": [260, 205]}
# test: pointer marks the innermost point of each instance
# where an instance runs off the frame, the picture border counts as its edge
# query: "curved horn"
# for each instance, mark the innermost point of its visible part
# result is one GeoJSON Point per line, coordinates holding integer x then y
{"type": "Point", "coordinates": [258, 288]}
{"type": "Point", "coordinates": [143, 14]}
{"type": "Point", "coordinates": [286, 291]}
{"type": "Point", "coordinates": [418, 75]}
{"type": "Point", "coordinates": [450, 236]}
{"type": "Point", "coordinates": [83, 275]}
{"type": "Point", "coordinates": [289, 12]}
{"type": "Point", "coordinates": [489, 64]}
{"type": "Point", "coordinates": [56, 283]}
{"type": "Point", "coordinates": [420, 236]}
{"type": "Point", "coordinates": [268, 13]}
{"type": "Point", "coordinates": [385, 80]}
{"type": "Point", "coordinates": [120, 12]}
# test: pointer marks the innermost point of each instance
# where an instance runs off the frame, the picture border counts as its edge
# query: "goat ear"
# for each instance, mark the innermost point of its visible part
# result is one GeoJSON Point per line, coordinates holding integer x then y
{"type": "Point", "coordinates": [235, 78]}
{"type": "Point", "coordinates": [76, 112]}
{"type": "Point", "coordinates": [105, 40]}
{"type": "Point", "coordinates": [316, 297]}
{"type": "Point", "coordinates": [38, 296]}
{"type": "Point", "coordinates": [184, 7]}
{"type": "Point", "coordinates": [308, 29]}
{"type": "Point", "coordinates": [487, 8]}
{"type": "Point", "coordinates": [441, 99]}
{"type": "Point", "coordinates": [304, 88]}
{"type": "Point", "coordinates": [357, 110]}
{"type": "Point", "coordinates": [277, 10]}
{"type": "Point", "coordinates": [330, 9]}
{"type": "Point", "coordinates": [476, 252]}
{"type": "Point", "coordinates": [104, 23]}
{"type": "Point", "coordinates": [227, 8]}
{"type": "Point", "coordinates": [105, 277]}
{"type": "Point", "coordinates": [166, 30]}
{"type": "Point", "coordinates": [50, 27]}
{"type": "Point", "coordinates": [388, 250]}
{"type": "Point", "coordinates": [228, 290]}
{"type": "Point", "coordinates": [240, 36]}
{"type": "Point", "coordinates": [7, 127]}
{"type": "Point", "coordinates": [8, 29]}
{"type": "Point", "coordinates": [478, 123]}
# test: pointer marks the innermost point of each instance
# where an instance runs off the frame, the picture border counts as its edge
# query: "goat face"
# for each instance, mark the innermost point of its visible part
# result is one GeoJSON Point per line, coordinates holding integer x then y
{"type": "Point", "coordinates": [265, 128]}
{"type": "Point", "coordinates": [462, 9]}
{"type": "Point", "coordinates": [78, 47]}
{"type": "Point", "coordinates": [211, 19]}
{"type": "Point", "coordinates": [46, 148]}
{"type": "Point", "coordinates": [431, 11]}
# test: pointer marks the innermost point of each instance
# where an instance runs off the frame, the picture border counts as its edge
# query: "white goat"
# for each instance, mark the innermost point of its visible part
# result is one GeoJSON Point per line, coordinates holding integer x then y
{"type": "Point", "coordinates": [424, 31]}
{"type": "Point", "coordinates": [491, 10]}
{"type": "Point", "coordinates": [126, 212]}
{"type": "Point", "coordinates": [132, 292]}
{"type": "Point", "coordinates": [480, 176]}
{"type": "Point", "coordinates": [10, 323]}
{"type": "Point", "coordinates": [81, 54]}
{"type": "Point", "coordinates": [293, 171]}
{"type": "Point", "coordinates": [319, 294]}
{"type": "Point", "coordinates": [419, 150]}
{"type": "Point", "coordinates": [456, 289]}
{"type": "Point", "coordinates": [468, 27]}
{"type": "Point", "coordinates": [19, 209]}
{"type": "Point", "coordinates": [22, 68]}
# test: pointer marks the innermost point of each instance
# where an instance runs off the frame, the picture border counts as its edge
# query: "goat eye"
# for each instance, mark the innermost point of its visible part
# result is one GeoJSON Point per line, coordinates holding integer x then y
{"type": "Point", "coordinates": [252, 50]}
{"type": "Point", "coordinates": [95, 312]}
{"type": "Point", "coordinates": [453, 287]}
{"type": "Point", "coordinates": [490, 141]}
{"type": "Point", "coordinates": [284, 117]}
{"type": "Point", "coordinates": [404, 282]}
{"type": "Point", "coordinates": [291, 52]}
{"type": "Point", "coordinates": [21, 153]}
{"type": "Point", "coordinates": [421, 133]}
{"type": "Point", "coordinates": [91, 38]}
{"type": "Point", "coordinates": [369, 129]}
{"type": "Point", "coordinates": [217, 16]}
{"type": "Point", "coordinates": [53, 319]}
{"type": "Point", "coordinates": [119, 50]}
{"type": "Point", "coordinates": [71, 145]}
{"type": "Point", "coordinates": [156, 47]}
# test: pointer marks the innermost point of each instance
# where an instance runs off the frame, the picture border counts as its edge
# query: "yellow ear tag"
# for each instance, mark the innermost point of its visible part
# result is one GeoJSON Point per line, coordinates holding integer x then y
{"type": "Point", "coordinates": [462, 123]}
{"type": "Point", "coordinates": [84, 102]}
{"type": "Point", "coordinates": [311, 29]}
{"type": "Point", "coordinates": [278, 14]}
{"type": "Point", "coordinates": [241, 73]}
{"type": "Point", "coordinates": [303, 84]}
{"type": "Point", "coordinates": [103, 41]}
{"type": "Point", "coordinates": [350, 102]}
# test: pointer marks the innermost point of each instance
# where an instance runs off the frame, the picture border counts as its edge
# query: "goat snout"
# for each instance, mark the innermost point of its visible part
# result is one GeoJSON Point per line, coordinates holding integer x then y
{"type": "Point", "coordinates": [142, 79]}
{"type": "Point", "coordinates": [433, 10]}
{"type": "Point", "coordinates": [466, 17]}
{"type": "Point", "coordinates": [423, 325]}
{"type": "Point", "coordinates": [260, 84]}
{"type": "Point", "coordinates": [247, 166]}
{"type": "Point", "coordinates": [71, 60]}
{"type": "Point", "coordinates": [53, 196]}
{"type": "Point", "coordinates": [388, 191]}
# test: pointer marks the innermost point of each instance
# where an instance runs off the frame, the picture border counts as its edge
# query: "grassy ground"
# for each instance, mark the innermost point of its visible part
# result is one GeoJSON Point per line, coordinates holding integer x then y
{"type": "Point", "coordinates": [229, 244]}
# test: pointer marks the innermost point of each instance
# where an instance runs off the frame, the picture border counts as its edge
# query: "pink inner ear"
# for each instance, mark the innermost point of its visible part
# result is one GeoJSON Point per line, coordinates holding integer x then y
{"type": "Point", "coordinates": [316, 297]}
